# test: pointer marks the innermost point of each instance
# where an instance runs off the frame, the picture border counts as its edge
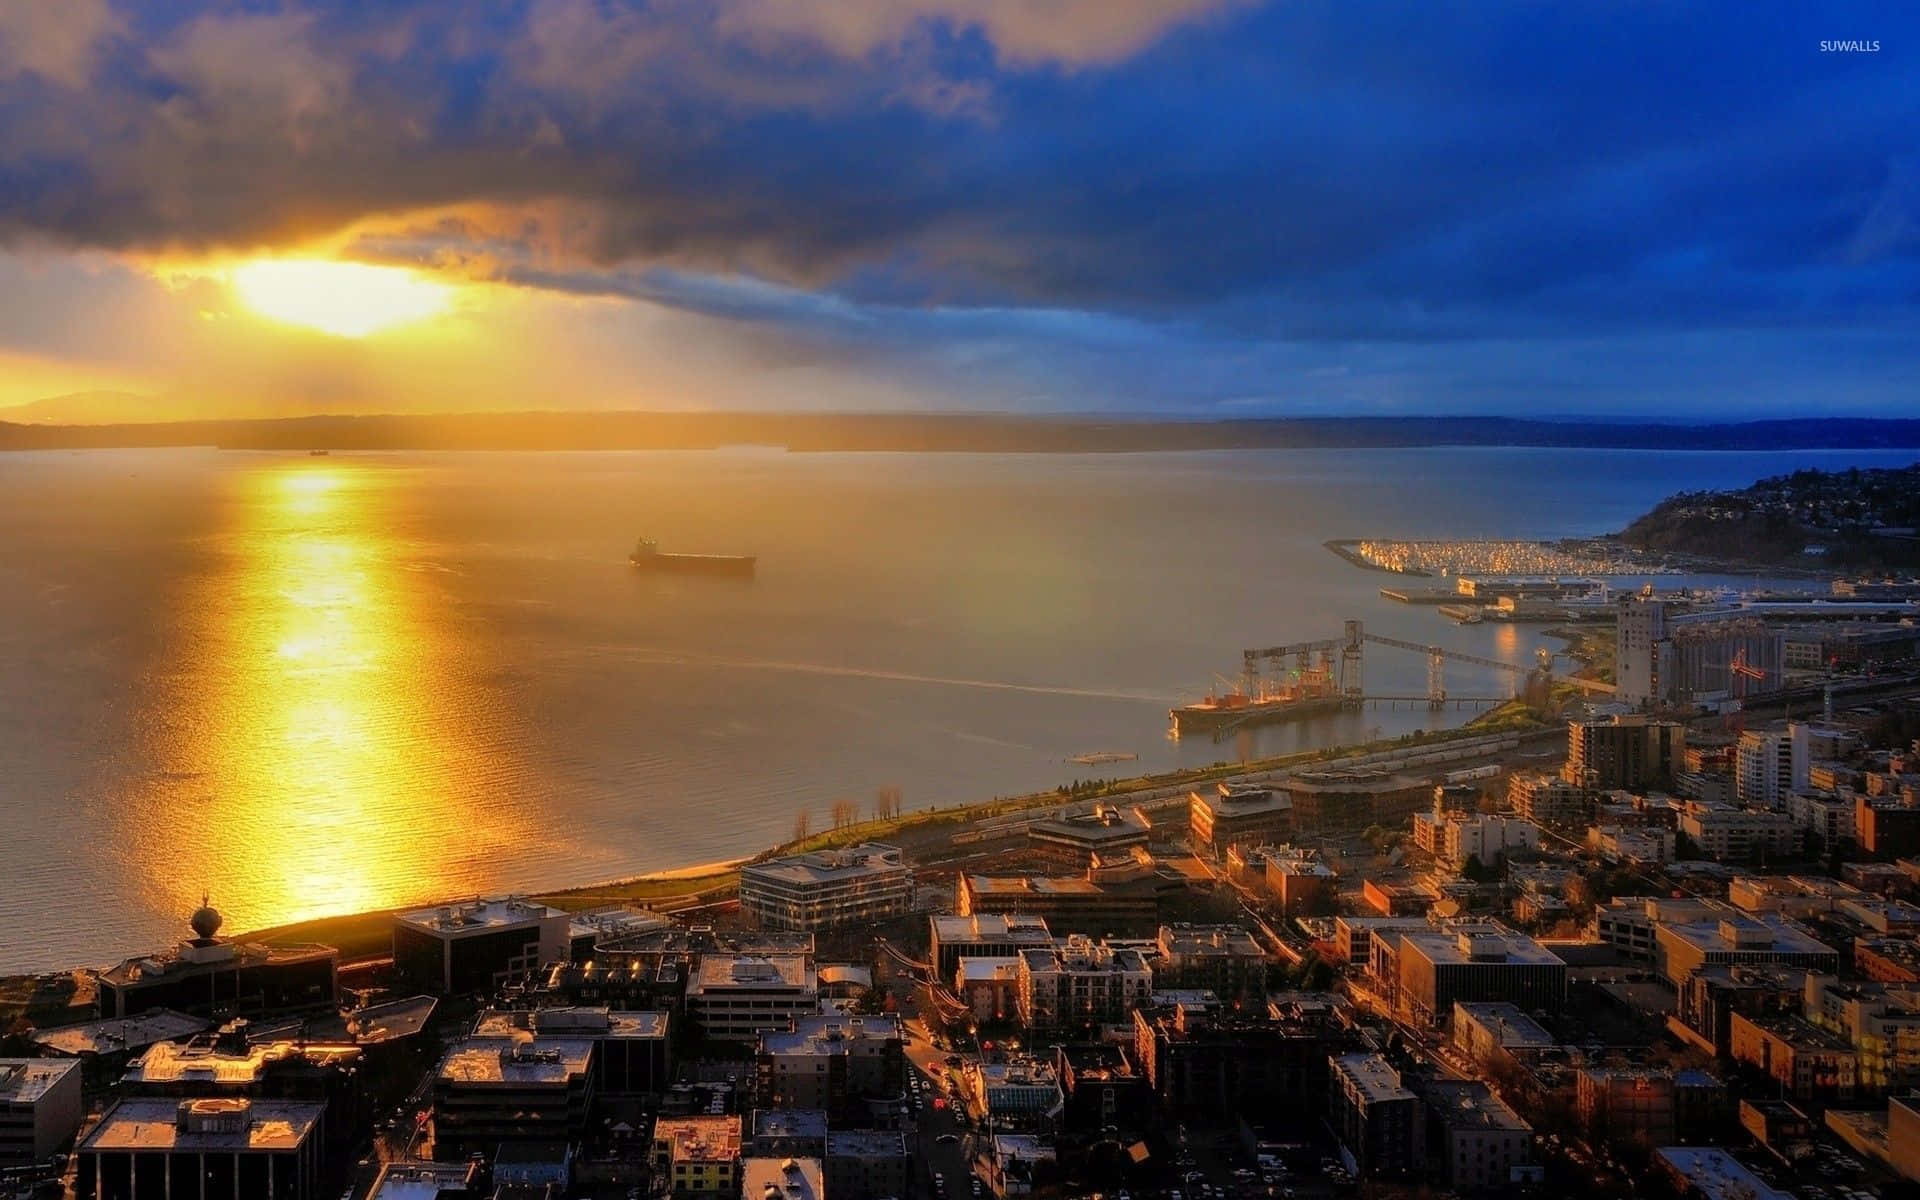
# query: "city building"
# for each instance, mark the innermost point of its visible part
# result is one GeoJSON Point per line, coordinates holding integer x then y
{"type": "Point", "coordinates": [1070, 841]}
{"type": "Point", "coordinates": [1475, 1142]}
{"type": "Point", "coordinates": [1485, 837]}
{"type": "Point", "coordinates": [867, 1164]}
{"type": "Point", "coordinates": [40, 1108]}
{"type": "Point", "coordinates": [1809, 1063]}
{"type": "Point", "coordinates": [827, 889]}
{"type": "Point", "coordinates": [1887, 825]}
{"type": "Point", "coordinates": [785, 1178]}
{"type": "Point", "coordinates": [1437, 969]}
{"type": "Point", "coordinates": [1203, 1061]}
{"type": "Point", "coordinates": [1826, 816]}
{"type": "Point", "coordinates": [1490, 1032]}
{"type": "Point", "coordinates": [1019, 1164]}
{"type": "Point", "coordinates": [211, 976]}
{"type": "Point", "coordinates": [788, 1133]}
{"type": "Point", "coordinates": [510, 1080]}
{"type": "Point", "coordinates": [1104, 1092]}
{"type": "Point", "coordinates": [989, 986]}
{"type": "Point", "coordinates": [1377, 1120]}
{"type": "Point", "coordinates": [1628, 923]}
{"type": "Point", "coordinates": [1303, 885]}
{"type": "Point", "coordinates": [1109, 898]}
{"type": "Point", "coordinates": [1238, 814]}
{"type": "Point", "coordinates": [1659, 1107]}
{"type": "Point", "coordinates": [1710, 996]}
{"type": "Point", "coordinates": [1887, 960]}
{"type": "Point", "coordinates": [1626, 750]}
{"type": "Point", "coordinates": [698, 1156]}
{"type": "Point", "coordinates": [149, 1148]}
{"type": "Point", "coordinates": [1683, 947]}
{"type": "Point", "coordinates": [1710, 1173]}
{"type": "Point", "coordinates": [1770, 764]}
{"type": "Point", "coordinates": [1080, 982]}
{"type": "Point", "coordinates": [105, 1047]}
{"type": "Point", "coordinates": [834, 1063]}
{"type": "Point", "coordinates": [735, 997]}
{"type": "Point", "coordinates": [1021, 1093]}
{"type": "Point", "coordinates": [632, 1053]}
{"type": "Point", "coordinates": [476, 947]}
{"type": "Point", "coordinates": [1549, 800]}
{"type": "Point", "coordinates": [1881, 1025]}
{"type": "Point", "coordinates": [1640, 844]}
{"type": "Point", "coordinates": [1348, 800]}
{"type": "Point", "coordinates": [1224, 959]}
{"type": "Point", "coordinates": [983, 935]}
{"type": "Point", "coordinates": [1727, 834]}
{"type": "Point", "coordinates": [428, 1181]}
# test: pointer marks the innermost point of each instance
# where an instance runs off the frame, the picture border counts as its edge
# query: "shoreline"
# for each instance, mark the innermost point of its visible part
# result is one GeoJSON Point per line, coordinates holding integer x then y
{"type": "Point", "coordinates": [365, 936]}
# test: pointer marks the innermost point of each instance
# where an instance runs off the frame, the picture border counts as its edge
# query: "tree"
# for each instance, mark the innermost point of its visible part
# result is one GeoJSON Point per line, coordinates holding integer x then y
{"type": "Point", "coordinates": [801, 821]}
{"type": "Point", "coordinates": [1474, 870]}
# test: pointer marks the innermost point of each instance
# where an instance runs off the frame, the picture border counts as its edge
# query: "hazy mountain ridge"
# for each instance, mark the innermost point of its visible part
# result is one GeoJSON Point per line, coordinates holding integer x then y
{"type": "Point", "coordinates": [986, 433]}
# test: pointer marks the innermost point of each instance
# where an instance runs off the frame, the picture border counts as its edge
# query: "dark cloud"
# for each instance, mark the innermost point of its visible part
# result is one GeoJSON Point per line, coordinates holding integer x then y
{"type": "Point", "coordinates": [1234, 179]}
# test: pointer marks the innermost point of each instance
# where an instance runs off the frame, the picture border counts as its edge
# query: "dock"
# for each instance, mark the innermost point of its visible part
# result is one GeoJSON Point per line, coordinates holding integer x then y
{"type": "Point", "coordinates": [1414, 595]}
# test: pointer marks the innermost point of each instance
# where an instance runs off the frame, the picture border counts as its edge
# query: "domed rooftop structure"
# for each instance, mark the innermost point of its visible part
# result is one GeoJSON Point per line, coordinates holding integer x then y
{"type": "Point", "coordinates": [206, 920]}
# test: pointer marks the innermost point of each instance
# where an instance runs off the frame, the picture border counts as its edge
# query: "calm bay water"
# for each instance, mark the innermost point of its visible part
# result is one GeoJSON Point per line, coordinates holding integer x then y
{"type": "Point", "coordinates": [316, 685]}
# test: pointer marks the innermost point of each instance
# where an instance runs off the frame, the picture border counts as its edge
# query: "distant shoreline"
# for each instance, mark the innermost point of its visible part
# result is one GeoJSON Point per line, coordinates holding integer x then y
{"type": "Point", "coordinates": [998, 433]}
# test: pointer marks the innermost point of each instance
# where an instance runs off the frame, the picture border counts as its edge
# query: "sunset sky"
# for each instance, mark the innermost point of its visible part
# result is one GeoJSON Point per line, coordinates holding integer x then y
{"type": "Point", "coordinates": [1206, 207]}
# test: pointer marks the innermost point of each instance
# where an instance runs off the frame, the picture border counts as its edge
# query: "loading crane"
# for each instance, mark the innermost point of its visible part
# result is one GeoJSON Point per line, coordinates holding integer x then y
{"type": "Point", "coordinates": [1351, 651]}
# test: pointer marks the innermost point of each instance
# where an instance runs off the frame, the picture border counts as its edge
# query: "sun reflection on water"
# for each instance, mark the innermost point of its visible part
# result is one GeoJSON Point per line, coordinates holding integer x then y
{"type": "Point", "coordinates": [326, 734]}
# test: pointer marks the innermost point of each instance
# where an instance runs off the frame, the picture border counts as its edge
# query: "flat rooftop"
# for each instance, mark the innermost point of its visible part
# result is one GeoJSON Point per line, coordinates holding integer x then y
{"type": "Point", "coordinates": [1509, 1023]}
{"type": "Point", "coordinates": [1219, 941]}
{"type": "Point", "coordinates": [166, 1063]}
{"type": "Point", "coordinates": [990, 927]}
{"type": "Point", "coordinates": [222, 956]}
{"type": "Point", "coordinates": [390, 1020]}
{"type": "Point", "coordinates": [521, 1060]}
{"type": "Point", "coordinates": [25, 1080]}
{"type": "Point", "coordinates": [831, 1034]}
{"type": "Point", "coordinates": [988, 970]}
{"type": "Point", "coordinates": [571, 1022]}
{"type": "Point", "coordinates": [254, 1126]}
{"type": "Point", "coordinates": [479, 913]}
{"type": "Point", "coordinates": [1446, 947]}
{"type": "Point", "coordinates": [1717, 1174]}
{"type": "Point", "coordinates": [1469, 1104]}
{"type": "Point", "coordinates": [1372, 1076]}
{"type": "Point", "coordinates": [421, 1180]}
{"type": "Point", "coordinates": [789, 1122]}
{"type": "Point", "coordinates": [829, 866]}
{"type": "Point", "coordinates": [119, 1035]}
{"type": "Point", "coordinates": [728, 972]}
{"type": "Point", "coordinates": [866, 1143]}
{"type": "Point", "coordinates": [1106, 824]}
{"type": "Point", "coordinates": [1239, 800]}
{"type": "Point", "coordinates": [1761, 933]}
{"type": "Point", "coordinates": [781, 1179]}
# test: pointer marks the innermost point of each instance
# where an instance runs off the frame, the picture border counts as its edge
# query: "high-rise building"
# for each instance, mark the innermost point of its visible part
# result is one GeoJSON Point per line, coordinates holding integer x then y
{"type": "Point", "coordinates": [1770, 764]}
{"type": "Point", "coordinates": [40, 1108]}
{"type": "Point", "coordinates": [1628, 751]}
{"type": "Point", "coordinates": [1666, 657]}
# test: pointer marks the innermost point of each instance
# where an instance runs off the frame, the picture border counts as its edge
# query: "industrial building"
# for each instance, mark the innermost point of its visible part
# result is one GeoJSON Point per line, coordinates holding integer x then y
{"type": "Point", "coordinates": [827, 889]}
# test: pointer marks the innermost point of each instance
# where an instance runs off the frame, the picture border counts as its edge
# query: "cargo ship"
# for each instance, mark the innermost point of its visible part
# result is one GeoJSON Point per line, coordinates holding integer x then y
{"type": "Point", "coordinates": [1229, 711]}
{"type": "Point", "coordinates": [648, 556]}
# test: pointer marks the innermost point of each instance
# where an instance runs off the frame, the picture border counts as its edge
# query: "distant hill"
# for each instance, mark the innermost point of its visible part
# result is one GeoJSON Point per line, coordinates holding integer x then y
{"type": "Point", "coordinates": [1854, 518]}
{"type": "Point", "coordinates": [84, 408]}
{"type": "Point", "coordinates": [987, 433]}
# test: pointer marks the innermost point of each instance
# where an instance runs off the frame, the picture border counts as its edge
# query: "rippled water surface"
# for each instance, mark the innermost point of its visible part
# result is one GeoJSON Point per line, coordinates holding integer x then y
{"type": "Point", "coordinates": [312, 685]}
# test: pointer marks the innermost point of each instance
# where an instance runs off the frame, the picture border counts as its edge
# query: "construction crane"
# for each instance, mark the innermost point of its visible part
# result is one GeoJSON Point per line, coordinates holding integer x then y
{"type": "Point", "coordinates": [1351, 661]}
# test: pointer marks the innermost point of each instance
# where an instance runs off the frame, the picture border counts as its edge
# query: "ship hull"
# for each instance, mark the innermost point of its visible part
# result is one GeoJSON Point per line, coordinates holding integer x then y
{"type": "Point", "coordinates": [735, 566]}
{"type": "Point", "coordinates": [1205, 719]}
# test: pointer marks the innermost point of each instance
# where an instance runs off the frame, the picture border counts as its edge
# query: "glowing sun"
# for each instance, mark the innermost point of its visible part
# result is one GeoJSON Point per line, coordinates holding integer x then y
{"type": "Point", "coordinates": [346, 299]}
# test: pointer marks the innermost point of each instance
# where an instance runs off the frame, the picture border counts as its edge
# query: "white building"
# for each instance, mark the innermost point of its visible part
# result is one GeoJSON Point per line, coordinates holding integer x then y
{"type": "Point", "coordinates": [737, 997]}
{"type": "Point", "coordinates": [828, 888]}
{"type": "Point", "coordinates": [1770, 764]}
{"type": "Point", "coordinates": [1828, 817]}
{"type": "Point", "coordinates": [1485, 836]}
{"type": "Point", "coordinates": [1080, 981]}
{"type": "Point", "coordinates": [40, 1108]}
